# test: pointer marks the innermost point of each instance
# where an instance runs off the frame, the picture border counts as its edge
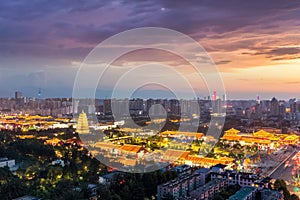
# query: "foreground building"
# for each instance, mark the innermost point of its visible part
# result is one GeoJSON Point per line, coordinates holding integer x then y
{"type": "Point", "coordinates": [27, 197]}
{"type": "Point", "coordinates": [188, 185]}
{"type": "Point", "coordinates": [242, 179]}
{"type": "Point", "coordinates": [245, 193]}
{"type": "Point", "coordinates": [204, 184]}
{"type": "Point", "coordinates": [209, 190]}
{"type": "Point", "coordinates": [5, 162]}
{"type": "Point", "coordinates": [179, 187]}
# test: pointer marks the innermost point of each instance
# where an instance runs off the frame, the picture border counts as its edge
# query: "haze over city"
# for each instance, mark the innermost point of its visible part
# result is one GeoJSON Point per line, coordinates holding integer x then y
{"type": "Point", "coordinates": [254, 45]}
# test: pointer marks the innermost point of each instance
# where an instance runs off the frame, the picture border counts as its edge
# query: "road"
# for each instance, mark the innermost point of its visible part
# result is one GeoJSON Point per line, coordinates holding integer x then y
{"type": "Point", "coordinates": [283, 172]}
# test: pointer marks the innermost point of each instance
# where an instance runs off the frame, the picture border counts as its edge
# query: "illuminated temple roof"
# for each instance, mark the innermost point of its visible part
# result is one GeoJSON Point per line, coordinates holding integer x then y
{"type": "Point", "coordinates": [175, 154]}
{"type": "Point", "coordinates": [232, 131]}
{"type": "Point", "coordinates": [209, 161]}
{"type": "Point", "coordinates": [131, 148]}
{"type": "Point", "coordinates": [231, 137]}
{"type": "Point", "coordinates": [105, 145]}
{"type": "Point", "coordinates": [180, 133]}
{"type": "Point", "coordinates": [256, 140]}
{"type": "Point", "coordinates": [260, 137]}
{"type": "Point", "coordinates": [262, 134]}
{"type": "Point", "coordinates": [292, 138]}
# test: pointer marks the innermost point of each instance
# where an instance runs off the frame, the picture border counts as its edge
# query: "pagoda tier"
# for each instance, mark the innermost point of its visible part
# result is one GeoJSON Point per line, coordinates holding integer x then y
{"type": "Point", "coordinates": [82, 124]}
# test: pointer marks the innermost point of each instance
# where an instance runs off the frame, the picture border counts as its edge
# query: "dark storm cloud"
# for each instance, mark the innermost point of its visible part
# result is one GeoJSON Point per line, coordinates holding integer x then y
{"type": "Point", "coordinates": [31, 28]}
{"type": "Point", "coordinates": [220, 16]}
{"type": "Point", "coordinates": [32, 9]}
{"type": "Point", "coordinates": [37, 22]}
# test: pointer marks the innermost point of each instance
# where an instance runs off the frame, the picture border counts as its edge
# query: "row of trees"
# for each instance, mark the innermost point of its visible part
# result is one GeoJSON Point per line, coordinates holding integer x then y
{"type": "Point", "coordinates": [280, 185]}
{"type": "Point", "coordinates": [135, 186]}
{"type": "Point", "coordinates": [37, 175]}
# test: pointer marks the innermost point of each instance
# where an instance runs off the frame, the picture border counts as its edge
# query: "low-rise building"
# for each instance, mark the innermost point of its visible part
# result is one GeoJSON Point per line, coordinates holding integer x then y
{"type": "Point", "coordinates": [204, 174]}
{"type": "Point", "coordinates": [242, 179]}
{"type": "Point", "coordinates": [183, 170]}
{"type": "Point", "coordinates": [179, 187]}
{"type": "Point", "coordinates": [5, 162]}
{"type": "Point", "coordinates": [209, 190]}
{"type": "Point", "coordinates": [245, 193]}
{"type": "Point", "coordinates": [27, 197]}
{"type": "Point", "coordinates": [109, 178]}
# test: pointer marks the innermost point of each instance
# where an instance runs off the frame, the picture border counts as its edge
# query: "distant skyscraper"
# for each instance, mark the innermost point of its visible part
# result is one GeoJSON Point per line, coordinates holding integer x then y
{"type": "Point", "coordinates": [82, 124]}
{"type": "Point", "coordinates": [274, 107]}
{"type": "Point", "coordinates": [18, 95]}
{"type": "Point", "coordinates": [258, 99]}
{"type": "Point", "coordinates": [293, 105]}
{"type": "Point", "coordinates": [224, 97]}
{"type": "Point", "coordinates": [214, 96]}
{"type": "Point", "coordinates": [107, 106]}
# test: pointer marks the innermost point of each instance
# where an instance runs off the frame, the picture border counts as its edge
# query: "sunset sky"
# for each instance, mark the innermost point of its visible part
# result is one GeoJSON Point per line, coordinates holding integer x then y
{"type": "Point", "coordinates": [255, 44]}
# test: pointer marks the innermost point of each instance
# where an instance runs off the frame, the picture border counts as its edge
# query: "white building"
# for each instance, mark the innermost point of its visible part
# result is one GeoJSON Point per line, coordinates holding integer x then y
{"type": "Point", "coordinates": [5, 162]}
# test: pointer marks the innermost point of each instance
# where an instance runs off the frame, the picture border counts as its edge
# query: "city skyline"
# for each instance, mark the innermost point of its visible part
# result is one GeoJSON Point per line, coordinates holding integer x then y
{"type": "Point", "coordinates": [150, 95]}
{"type": "Point", "coordinates": [255, 50]}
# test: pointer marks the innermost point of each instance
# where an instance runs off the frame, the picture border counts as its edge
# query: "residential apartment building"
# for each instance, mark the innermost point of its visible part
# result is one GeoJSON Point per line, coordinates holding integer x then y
{"type": "Point", "coordinates": [209, 190]}
{"type": "Point", "coordinates": [245, 193]}
{"type": "Point", "coordinates": [179, 187]}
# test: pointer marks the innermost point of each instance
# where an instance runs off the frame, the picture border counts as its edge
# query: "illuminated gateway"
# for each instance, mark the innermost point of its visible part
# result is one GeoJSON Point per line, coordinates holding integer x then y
{"type": "Point", "coordinates": [82, 124]}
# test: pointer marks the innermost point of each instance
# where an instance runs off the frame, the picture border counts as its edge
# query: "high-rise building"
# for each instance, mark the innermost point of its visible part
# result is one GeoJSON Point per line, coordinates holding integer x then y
{"type": "Point", "coordinates": [274, 107]}
{"type": "Point", "coordinates": [107, 106]}
{"type": "Point", "coordinates": [82, 124]}
{"type": "Point", "coordinates": [18, 95]}
{"type": "Point", "coordinates": [214, 96]}
{"type": "Point", "coordinates": [224, 97]}
{"type": "Point", "coordinates": [282, 108]}
{"type": "Point", "coordinates": [258, 99]}
{"type": "Point", "coordinates": [293, 105]}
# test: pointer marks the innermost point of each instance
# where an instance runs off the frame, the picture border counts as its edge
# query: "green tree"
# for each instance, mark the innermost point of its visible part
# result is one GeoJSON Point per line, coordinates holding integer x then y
{"type": "Point", "coordinates": [167, 197]}
{"type": "Point", "coordinates": [218, 197]}
{"type": "Point", "coordinates": [11, 186]}
{"type": "Point", "coordinates": [115, 197]}
{"type": "Point", "coordinates": [279, 184]}
{"type": "Point", "coordinates": [294, 197]}
{"type": "Point", "coordinates": [138, 192]}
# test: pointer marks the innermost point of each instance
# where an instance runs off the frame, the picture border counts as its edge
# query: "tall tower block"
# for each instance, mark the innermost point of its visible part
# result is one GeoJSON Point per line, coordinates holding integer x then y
{"type": "Point", "coordinates": [214, 96]}
{"type": "Point", "coordinates": [258, 99]}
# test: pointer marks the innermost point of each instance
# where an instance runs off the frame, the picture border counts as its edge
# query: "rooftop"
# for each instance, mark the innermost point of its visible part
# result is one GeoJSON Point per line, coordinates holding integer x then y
{"type": "Point", "coordinates": [242, 193]}
{"type": "Point", "coordinates": [27, 198]}
{"type": "Point", "coordinates": [176, 154]}
{"type": "Point", "coordinates": [202, 170]}
{"type": "Point", "coordinates": [131, 148]}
